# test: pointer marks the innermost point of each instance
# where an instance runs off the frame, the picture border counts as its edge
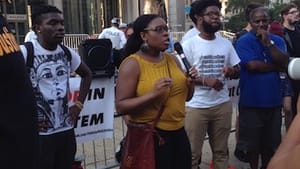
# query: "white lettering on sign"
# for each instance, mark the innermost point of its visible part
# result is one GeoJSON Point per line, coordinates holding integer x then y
{"type": "Point", "coordinates": [16, 17]}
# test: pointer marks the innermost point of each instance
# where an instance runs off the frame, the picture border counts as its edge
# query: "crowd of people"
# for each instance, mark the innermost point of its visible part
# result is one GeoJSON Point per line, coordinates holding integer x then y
{"type": "Point", "coordinates": [195, 101]}
{"type": "Point", "coordinates": [258, 57]}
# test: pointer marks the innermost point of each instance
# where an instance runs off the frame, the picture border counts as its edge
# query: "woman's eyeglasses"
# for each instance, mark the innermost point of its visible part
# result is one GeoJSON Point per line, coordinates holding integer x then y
{"type": "Point", "coordinates": [158, 29]}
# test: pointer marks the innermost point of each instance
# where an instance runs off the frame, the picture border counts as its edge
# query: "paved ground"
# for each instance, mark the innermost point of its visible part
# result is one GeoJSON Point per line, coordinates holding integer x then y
{"type": "Point", "coordinates": [104, 150]}
{"type": "Point", "coordinates": [233, 161]}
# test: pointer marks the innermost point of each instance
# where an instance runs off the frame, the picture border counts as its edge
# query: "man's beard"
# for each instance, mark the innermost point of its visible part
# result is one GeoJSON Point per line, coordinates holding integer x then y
{"type": "Point", "coordinates": [209, 28]}
{"type": "Point", "coordinates": [293, 22]}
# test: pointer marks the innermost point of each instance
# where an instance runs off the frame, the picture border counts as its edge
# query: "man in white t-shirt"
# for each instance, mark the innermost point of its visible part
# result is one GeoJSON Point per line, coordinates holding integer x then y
{"type": "Point", "coordinates": [117, 38]}
{"type": "Point", "coordinates": [210, 109]}
{"type": "Point", "coordinates": [49, 68]}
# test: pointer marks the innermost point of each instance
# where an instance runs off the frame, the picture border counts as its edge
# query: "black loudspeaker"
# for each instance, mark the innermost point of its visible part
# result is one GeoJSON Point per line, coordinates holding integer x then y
{"type": "Point", "coordinates": [97, 54]}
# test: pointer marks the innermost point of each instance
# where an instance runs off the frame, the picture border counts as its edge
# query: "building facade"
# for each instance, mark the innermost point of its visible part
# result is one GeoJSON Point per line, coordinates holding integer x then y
{"type": "Point", "coordinates": [81, 16]}
{"type": "Point", "coordinates": [92, 16]}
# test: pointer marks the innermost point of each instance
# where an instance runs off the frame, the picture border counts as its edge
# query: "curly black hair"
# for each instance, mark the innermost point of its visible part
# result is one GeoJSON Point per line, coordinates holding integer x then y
{"type": "Point", "coordinates": [199, 6]}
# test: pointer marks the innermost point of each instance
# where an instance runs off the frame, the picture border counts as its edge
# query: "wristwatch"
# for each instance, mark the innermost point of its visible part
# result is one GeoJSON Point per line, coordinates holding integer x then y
{"type": "Point", "coordinates": [271, 43]}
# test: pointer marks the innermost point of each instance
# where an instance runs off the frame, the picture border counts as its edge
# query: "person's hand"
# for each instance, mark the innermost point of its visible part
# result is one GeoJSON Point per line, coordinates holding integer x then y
{"type": "Point", "coordinates": [161, 86]}
{"type": "Point", "coordinates": [193, 72]}
{"type": "Point", "coordinates": [74, 113]}
{"type": "Point", "coordinates": [213, 83]}
{"type": "Point", "coordinates": [263, 36]}
{"type": "Point", "coordinates": [288, 153]}
{"type": "Point", "coordinates": [228, 71]}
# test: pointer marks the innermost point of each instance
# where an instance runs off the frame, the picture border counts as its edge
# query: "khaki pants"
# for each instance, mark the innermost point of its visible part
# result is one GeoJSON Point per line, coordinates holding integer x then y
{"type": "Point", "coordinates": [216, 122]}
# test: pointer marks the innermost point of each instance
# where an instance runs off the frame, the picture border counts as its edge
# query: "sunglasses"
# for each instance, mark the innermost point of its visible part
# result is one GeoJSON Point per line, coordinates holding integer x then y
{"type": "Point", "coordinates": [158, 29]}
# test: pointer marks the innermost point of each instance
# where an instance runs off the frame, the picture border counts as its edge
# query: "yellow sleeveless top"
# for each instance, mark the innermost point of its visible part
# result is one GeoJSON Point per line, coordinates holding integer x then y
{"type": "Point", "coordinates": [173, 115]}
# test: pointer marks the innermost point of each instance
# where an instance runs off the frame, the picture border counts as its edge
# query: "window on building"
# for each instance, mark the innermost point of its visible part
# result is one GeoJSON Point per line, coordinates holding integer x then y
{"type": "Point", "coordinates": [88, 16]}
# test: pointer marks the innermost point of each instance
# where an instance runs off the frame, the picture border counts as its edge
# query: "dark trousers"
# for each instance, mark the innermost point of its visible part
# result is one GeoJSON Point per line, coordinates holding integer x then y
{"type": "Point", "coordinates": [117, 57]}
{"type": "Point", "coordinates": [175, 153]}
{"type": "Point", "coordinates": [57, 151]}
{"type": "Point", "coordinates": [259, 132]}
{"type": "Point", "coordinates": [296, 90]}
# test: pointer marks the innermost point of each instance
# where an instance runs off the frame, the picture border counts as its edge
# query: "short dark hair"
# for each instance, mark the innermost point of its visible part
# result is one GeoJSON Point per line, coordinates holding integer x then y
{"type": "Point", "coordinates": [199, 6]}
{"type": "Point", "coordinates": [259, 9]}
{"type": "Point", "coordinates": [285, 10]}
{"type": "Point", "coordinates": [250, 7]}
{"type": "Point", "coordinates": [38, 11]}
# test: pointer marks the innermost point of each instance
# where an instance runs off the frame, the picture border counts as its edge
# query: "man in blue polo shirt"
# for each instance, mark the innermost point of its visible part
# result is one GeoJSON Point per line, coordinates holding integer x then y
{"type": "Point", "coordinates": [262, 57]}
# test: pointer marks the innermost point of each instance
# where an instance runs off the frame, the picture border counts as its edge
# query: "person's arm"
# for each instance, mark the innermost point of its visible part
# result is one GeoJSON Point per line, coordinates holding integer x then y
{"type": "Point", "coordinates": [86, 78]}
{"type": "Point", "coordinates": [279, 56]}
{"type": "Point", "coordinates": [258, 66]}
{"type": "Point", "coordinates": [298, 103]}
{"type": "Point", "coordinates": [288, 153]}
{"type": "Point", "coordinates": [190, 81]}
{"type": "Point", "coordinates": [231, 72]}
{"type": "Point", "coordinates": [126, 100]}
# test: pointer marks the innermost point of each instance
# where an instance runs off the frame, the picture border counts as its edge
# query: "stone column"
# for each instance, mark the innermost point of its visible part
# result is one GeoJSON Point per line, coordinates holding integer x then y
{"type": "Point", "coordinates": [57, 3]}
{"type": "Point", "coordinates": [176, 15]}
{"type": "Point", "coordinates": [130, 10]}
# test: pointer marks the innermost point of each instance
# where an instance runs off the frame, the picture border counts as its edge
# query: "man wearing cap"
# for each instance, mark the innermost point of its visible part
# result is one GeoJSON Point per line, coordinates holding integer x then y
{"type": "Point", "coordinates": [123, 27]}
{"type": "Point", "coordinates": [116, 36]}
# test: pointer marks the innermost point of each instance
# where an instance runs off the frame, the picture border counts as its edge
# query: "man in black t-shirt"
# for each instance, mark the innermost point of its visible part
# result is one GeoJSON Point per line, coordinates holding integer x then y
{"type": "Point", "coordinates": [18, 123]}
{"type": "Point", "coordinates": [290, 17]}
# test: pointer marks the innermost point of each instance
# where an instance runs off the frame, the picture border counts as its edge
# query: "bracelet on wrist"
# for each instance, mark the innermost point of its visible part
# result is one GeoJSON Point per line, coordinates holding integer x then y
{"type": "Point", "coordinates": [79, 105]}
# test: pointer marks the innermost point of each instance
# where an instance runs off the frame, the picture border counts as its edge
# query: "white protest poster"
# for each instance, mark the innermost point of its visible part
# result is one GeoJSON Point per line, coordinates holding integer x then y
{"type": "Point", "coordinates": [234, 91]}
{"type": "Point", "coordinates": [96, 118]}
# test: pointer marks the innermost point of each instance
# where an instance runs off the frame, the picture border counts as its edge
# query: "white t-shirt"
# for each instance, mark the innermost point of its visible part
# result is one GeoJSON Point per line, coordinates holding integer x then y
{"type": "Point", "coordinates": [209, 58]}
{"type": "Point", "coordinates": [50, 80]}
{"type": "Point", "coordinates": [189, 34]}
{"type": "Point", "coordinates": [116, 36]}
{"type": "Point", "coordinates": [30, 36]}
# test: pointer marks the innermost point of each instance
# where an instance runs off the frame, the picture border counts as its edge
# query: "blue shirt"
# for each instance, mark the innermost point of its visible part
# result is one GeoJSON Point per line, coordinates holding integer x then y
{"type": "Point", "coordinates": [258, 89]}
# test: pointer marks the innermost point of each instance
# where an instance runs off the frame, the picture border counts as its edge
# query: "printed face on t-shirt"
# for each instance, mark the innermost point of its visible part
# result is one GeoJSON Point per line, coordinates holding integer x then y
{"type": "Point", "coordinates": [53, 77]}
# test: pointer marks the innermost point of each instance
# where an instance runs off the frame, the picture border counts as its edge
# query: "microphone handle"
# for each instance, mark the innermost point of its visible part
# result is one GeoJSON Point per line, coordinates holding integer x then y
{"type": "Point", "coordinates": [187, 65]}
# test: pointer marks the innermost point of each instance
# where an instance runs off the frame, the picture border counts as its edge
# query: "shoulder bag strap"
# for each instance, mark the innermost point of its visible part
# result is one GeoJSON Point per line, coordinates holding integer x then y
{"type": "Point", "coordinates": [162, 107]}
{"type": "Point", "coordinates": [30, 54]}
{"type": "Point", "coordinates": [67, 52]}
